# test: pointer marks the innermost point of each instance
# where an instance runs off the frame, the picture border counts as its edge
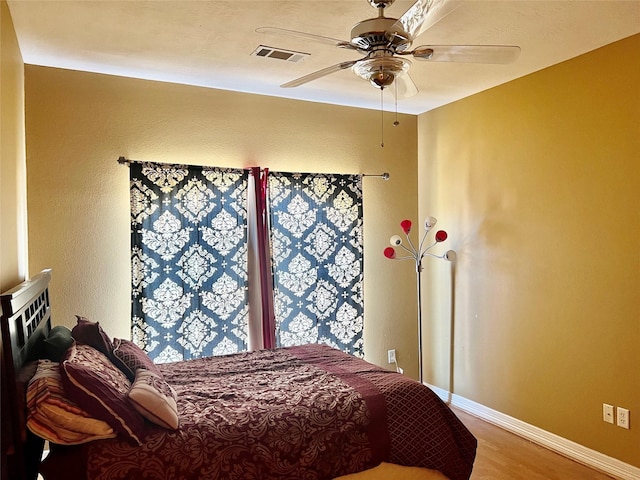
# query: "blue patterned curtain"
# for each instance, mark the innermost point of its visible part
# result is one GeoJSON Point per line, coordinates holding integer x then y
{"type": "Point", "coordinates": [316, 234]}
{"type": "Point", "coordinates": [189, 260]}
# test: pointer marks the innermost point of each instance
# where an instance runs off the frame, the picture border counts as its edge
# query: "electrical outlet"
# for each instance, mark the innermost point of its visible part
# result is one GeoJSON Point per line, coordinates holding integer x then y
{"type": "Point", "coordinates": [391, 356]}
{"type": "Point", "coordinates": [622, 417]}
{"type": "Point", "coordinates": [607, 413]}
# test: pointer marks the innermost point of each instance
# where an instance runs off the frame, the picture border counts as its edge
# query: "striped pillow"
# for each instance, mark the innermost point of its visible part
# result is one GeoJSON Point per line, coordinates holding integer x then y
{"type": "Point", "coordinates": [52, 416]}
{"type": "Point", "coordinates": [99, 387]}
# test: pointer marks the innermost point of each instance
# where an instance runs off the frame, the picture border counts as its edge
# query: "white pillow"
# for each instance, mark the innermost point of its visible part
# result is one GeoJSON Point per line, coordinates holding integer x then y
{"type": "Point", "coordinates": [154, 398]}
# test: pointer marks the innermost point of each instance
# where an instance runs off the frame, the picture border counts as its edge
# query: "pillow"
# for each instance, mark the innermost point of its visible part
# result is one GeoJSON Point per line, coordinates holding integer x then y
{"type": "Point", "coordinates": [155, 399]}
{"type": "Point", "coordinates": [97, 386]}
{"type": "Point", "coordinates": [52, 416]}
{"type": "Point", "coordinates": [91, 333]}
{"type": "Point", "coordinates": [129, 357]}
{"type": "Point", "coordinates": [57, 343]}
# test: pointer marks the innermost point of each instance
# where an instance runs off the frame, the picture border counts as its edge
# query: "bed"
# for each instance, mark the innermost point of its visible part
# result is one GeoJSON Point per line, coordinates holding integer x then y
{"type": "Point", "coordinates": [306, 412]}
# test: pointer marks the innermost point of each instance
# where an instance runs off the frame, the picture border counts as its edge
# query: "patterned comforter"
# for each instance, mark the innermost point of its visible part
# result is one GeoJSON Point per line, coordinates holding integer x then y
{"type": "Point", "coordinates": [298, 413]}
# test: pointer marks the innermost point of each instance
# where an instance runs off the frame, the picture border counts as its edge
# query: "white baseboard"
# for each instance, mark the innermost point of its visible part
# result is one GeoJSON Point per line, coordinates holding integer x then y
{"type": "Point", "coordinates": [572, 450]}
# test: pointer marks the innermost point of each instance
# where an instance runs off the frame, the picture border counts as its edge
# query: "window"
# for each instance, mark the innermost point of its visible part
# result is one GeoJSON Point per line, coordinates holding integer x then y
{"type": "Point", "coordinates": [190, 276]}
{"type": "Point", "coordinates": [316, 233]}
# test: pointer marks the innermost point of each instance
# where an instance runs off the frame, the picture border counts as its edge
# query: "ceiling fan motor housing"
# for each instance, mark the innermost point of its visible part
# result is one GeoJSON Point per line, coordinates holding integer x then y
{"type": "Point", "coordinates": [376, 33]}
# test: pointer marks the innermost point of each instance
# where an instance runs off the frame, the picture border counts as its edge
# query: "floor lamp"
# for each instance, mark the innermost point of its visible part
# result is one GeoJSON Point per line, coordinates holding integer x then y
{"type": "Point", "coordinates": [417, 254]}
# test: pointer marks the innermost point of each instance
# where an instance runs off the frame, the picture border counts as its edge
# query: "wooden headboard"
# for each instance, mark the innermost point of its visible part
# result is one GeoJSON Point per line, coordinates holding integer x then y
{"type": "Point", "coordinates": [25, 318]}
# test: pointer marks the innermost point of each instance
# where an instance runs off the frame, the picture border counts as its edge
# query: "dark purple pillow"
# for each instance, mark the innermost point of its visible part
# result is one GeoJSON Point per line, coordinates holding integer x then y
{"type": "Point", "coordinates": [129, 357]}
{"type": "Point", "coordinates": [91, 333]}
{"type": "Point", "coordinates": [97, 386]}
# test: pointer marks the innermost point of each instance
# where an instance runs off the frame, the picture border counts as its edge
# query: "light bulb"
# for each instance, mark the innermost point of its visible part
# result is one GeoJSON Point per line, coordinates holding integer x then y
{"type": "Point", "coordinates": [395, 240]}
{"type": "Point", "coordinates": [430, 222]}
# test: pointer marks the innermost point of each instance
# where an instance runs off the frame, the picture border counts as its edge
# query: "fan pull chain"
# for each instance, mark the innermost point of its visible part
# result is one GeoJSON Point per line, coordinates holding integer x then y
{"type": "Point", "coordinates": [381, 118]}
{"type": "Point", "coordinates": [396, 123]}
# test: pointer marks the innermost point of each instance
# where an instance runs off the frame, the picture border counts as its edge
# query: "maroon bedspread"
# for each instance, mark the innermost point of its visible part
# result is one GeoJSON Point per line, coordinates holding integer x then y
{"type": "Point", "coordinates": [309, 412]}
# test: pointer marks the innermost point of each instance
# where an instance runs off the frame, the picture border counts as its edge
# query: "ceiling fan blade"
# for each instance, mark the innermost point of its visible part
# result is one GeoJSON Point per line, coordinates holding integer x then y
{"type": "Point", "coordinates": [404, 86]}
{"type": "Point", "coordinates": [497, 54]}
{"type": "Point", "coordinates": [320, 73]}
{"type": "Point", "coordinates": [284, 32]}
{"type": "Point", "coordinates": [423, 15]}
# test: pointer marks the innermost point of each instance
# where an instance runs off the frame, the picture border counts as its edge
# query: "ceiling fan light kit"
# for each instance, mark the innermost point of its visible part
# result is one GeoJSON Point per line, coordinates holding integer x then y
{"type": "Point", "coordinates": [384, 41]}
{"type": "Point", "coordinates": [381, 71]}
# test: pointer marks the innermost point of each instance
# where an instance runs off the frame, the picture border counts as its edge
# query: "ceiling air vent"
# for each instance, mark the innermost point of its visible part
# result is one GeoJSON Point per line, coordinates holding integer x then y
{"type": "Point", "coordinates": [280, 54]}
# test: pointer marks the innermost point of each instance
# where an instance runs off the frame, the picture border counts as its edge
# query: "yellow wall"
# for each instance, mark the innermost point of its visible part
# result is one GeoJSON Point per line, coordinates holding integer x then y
{"type": "Point", "coordinates": [539, 182]}
{"type": "Point", "coordinates": [78, 124]}
{"type": "Point", "coordinates": [12, 157]}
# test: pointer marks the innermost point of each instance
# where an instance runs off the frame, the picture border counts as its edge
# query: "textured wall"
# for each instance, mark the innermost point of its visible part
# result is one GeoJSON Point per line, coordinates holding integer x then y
{"type": "Point", "coordinates": [539, 180]}
{"type": "Point", "coordinates": [13, 241]}
{"type": "Point", "coordinates": [78, 124]}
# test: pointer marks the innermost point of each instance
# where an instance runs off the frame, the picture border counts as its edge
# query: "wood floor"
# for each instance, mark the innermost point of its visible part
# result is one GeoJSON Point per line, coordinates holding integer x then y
{"type": "Point", "coordinates": [502, 455]}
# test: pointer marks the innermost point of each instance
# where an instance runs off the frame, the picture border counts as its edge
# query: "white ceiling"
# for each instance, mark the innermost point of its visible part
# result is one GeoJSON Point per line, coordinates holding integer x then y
{"type": "Point", "coordinates": [209, 43]}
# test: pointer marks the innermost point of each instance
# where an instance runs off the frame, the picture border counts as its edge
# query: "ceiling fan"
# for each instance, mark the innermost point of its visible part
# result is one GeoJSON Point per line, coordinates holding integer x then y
{"type": "Point", "coordinates": [385, 43]}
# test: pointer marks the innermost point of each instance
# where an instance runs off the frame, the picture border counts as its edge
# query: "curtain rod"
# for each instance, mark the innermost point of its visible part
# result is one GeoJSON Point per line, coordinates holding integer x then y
{"type": "Point", "coordinates": [127, 162]}
{"type": "Point", "coordinates": [383, 176]}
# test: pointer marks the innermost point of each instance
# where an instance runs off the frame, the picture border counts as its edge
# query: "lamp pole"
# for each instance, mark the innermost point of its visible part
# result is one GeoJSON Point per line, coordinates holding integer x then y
{"type": "Point", "coordinates": [418, 275]}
